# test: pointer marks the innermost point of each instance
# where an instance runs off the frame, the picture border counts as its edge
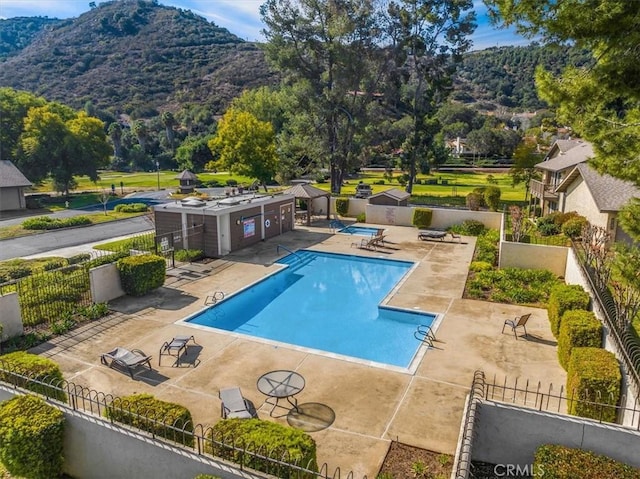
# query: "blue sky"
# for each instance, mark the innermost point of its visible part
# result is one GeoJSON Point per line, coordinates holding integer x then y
{"type": "Point", "coordinates": [240, 17]}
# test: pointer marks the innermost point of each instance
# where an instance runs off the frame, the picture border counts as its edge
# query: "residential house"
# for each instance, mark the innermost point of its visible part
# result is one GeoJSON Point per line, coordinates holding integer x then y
{"type": "Point", "coordinates": [12, 186]}
{"type": "Point", "coordinates": [563, 156]}
{"type": "Point", "coordinates": [597, 197]}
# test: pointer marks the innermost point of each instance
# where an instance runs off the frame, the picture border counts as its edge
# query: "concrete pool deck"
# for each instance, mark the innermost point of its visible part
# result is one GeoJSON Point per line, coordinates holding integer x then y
{"type": "Point", "coordinates": [372, 405]}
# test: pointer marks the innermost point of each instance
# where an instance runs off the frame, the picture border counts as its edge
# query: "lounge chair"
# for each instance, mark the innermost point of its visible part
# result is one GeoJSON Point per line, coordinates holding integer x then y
{"type": "Point", "coordinates": [370, 243]}
{"type": "Point", "coordinates": [175, 347]}
{"type": "Point", "coordinates": [126, 359]}
{"type": "Point", "coordinates": [234, 405]}
{"type": "Point", "coordinates": [518, 322]}
{"type": "Point", "coordinates": [431, 234]}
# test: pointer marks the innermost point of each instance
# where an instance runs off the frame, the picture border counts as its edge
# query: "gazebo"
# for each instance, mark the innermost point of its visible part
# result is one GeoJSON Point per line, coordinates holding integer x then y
{"type": "Point", "coordinates": [188, 181]}
{"type": "Point", "coordinates": [308, 193]}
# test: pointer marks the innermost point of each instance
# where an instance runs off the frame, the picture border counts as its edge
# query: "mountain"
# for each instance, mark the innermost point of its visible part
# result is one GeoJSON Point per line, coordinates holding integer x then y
{"type": "Point", "coordinates": [135, 57]}
{"type": "Point", "coordinates": [139, 58]}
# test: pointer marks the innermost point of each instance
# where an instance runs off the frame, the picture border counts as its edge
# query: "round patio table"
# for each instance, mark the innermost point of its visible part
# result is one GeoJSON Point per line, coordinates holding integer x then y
{"type": "Point", "coordinates": [281, 384]}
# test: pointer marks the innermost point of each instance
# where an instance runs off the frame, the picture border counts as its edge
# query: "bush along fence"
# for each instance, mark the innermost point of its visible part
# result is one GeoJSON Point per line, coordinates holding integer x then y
{"type": "Point", "coordinates": [251, 444]}
{"type": "Point", "coordinates": [603, 408]}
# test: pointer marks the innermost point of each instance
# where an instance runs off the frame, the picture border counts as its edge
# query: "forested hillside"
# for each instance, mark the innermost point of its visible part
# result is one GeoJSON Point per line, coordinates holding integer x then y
{"type": "Point", "coordinates": [140, 58]}
{"type": "Point", "coordinates": [133, 57]}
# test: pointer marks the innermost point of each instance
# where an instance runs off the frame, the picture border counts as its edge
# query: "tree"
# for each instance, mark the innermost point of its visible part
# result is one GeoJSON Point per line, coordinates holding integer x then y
{"type": "Point", "coordinates": [139, 128]}
{"type": "Point", "coordinates": [329, 50]}
{"type": "Point", "coordinates": [600, 100]}
{"type": "Point", "coordinates": [115, 133]}
{"type": "Point", "coordinates": [58, 142]}
{"type": "Point", "coordinates": [525, 158]}
{"type": "Point", "coordinates": [14, 106]}
{"type": "Point", "coordinates": [246, 146]}
{"type": "Point", "coordinates": [428, 38]}
{"type": "Point", "coordinates": [194, 153]}
{"type": "Point", "coordinates": [169, 122]}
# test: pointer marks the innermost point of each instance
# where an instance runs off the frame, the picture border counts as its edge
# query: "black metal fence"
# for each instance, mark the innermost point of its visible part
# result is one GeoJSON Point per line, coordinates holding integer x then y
{"type": "Point", "coordinates": [205, 442]}
{"type": "Point", "coordinates": [626, 342]}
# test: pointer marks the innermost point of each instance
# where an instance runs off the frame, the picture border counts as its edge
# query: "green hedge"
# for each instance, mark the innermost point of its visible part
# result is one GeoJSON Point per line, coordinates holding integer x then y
{"type": "Point", "coordinates": [31, 438]}
{"type": "Point", "coordinates": [593, 376]}
{"type": "Point", "coordinates": [142, 273]}
{"type": "Point", "coordinates": [161, 418]}
{"type": "Point", "coordinates": [422, 217]}
{"type": "Point", "coordinates": [270, 438]}
{"type": "Point", "coordinates": [578, 328]}
{"type": "Point", "coordinates": [49, 223]}
{"type": "Point", "coordinates": [107, 259]}
{"type": "Point", "coordinates": [564, 297]}
{"type": "Point", "coordinates": [491, 197]}
{"type": "Point", "coordinates": [342, 206]}
{"type": "Point", "coordinates": [188, 255]}
{"type": "Point", "coordinates": [36, 368]}
{"type": "Point", "coordinates": [131, 208]}
{"type": "Point", "coordinates": [553, 461]}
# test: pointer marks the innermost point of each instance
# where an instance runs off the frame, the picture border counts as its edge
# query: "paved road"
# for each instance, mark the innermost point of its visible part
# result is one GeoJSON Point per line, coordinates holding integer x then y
{"type": "Point", "coordinates": [54, 240]}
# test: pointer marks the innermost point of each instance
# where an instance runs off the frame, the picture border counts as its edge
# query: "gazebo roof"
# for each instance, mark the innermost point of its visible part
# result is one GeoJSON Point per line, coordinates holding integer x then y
{"type": "Point", "coordinates": [306, 192]}
{"type": "Point", "coordinates": [186, 175]}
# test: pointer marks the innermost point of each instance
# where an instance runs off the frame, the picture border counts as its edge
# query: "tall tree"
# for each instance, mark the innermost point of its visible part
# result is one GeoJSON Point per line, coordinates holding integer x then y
{"type": "Point", "coordinates": [246, 146]}
{"type": "Point", "coordinates": [194, 153]}
{"type": "Point", "coordinates": [139, 128]}
{"type": "Point", "coordinates": [329, 47]}
{"type": "Point", "coordinates": [523, 170]}
{"type": "Point", "coordinates": [169, 122]}
{"type": "Point", "coordinates": [14, 106]}
{"type": "Point", "coordinates": [428, 38]}
{"type": "Point", "coordinates": [601, 101]}
{"type": "Point", "coordinates": [115, 133]}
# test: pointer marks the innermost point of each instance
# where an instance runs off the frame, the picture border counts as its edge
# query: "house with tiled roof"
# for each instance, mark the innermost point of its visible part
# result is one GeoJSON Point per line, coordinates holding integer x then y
{"type": "Point", "coordinates": [12, 187]}
{"type": "Point", "coordinates": [597, 197]}
{"type": "Point", "coordinates": [563, 156]}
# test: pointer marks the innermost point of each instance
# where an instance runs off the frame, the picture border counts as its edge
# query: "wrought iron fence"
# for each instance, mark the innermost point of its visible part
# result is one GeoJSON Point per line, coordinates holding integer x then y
{"type": "Point", "coordinates": [197, 438]}
{"type": "Point", "coordinates": [529, 395]}
{"type": "Point", "coordinates": [626, 342]}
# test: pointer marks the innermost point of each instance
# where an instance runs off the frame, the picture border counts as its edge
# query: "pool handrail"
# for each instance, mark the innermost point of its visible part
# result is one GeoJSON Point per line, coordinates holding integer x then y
{"type": "Point", "coordinates": [287, 249]}
{"type": "Point", "coordinates": [425, 334]}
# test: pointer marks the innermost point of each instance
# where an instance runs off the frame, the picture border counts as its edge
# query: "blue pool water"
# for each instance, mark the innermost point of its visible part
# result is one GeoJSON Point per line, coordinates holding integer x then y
{"type": "Point", "coordinates": [329, 302]}
{"type": "Point", "coordinates": [359, 230]}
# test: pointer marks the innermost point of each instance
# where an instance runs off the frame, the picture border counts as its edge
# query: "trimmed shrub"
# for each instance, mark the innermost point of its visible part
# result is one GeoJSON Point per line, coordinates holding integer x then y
{"type": "Point", "coordinates": [572, 228]}
{"type": "Point", "coordinates": [512, 285]}
{"type": "Point", "coordinates": [593, 381]}
{"type": "Point", "coordinates": [553, 461]}
{"type": "Point", "coordinates": [232, 182]}
{"type": "Point", "coordinates": [469, 228]}
{"type": "Point", "coordinates": [21, 364]}
{"type": "Point", "coordinates": [49, 223]}
{"type": "Point", "coordinates": [272, 439]}
{"type": "Point", "coordinates": [342, 206]}
{"type": "Point", "coordinates": [378, 182]}
{"type": "Point", "coordinates": [474, 201]}
{"type": "Point", "coordinates": [486, 250]}
{"type": "Point", "coordinates": [17, 272]}
{"type": "Point", "coordinates": [106, 259]}
{"type": "Point", "coordinates": [79, 258]}
{"type": "Point", "coordinates": [51, 265]}
{"type": "Point", "coordinates": [491, 197]}
{"type": "Point", "coordinates": [160, 418]}
{"type": "Point", "coordinates": [361, 218]}
{"type": "Point", "coordinates": [564, 297]}
{"type": "Point", "coordinates": [422, 217]}
{"type": "Point", "coordinates": [577, 329]}
{"type": "Point", "coordinates": [31, 438]}
{"type": "Point", "coordinates": [131, 208]}
{"type": "Point", "coordinates": [188, 255]}
{"type": "Point", "coordinates": [141, 274]}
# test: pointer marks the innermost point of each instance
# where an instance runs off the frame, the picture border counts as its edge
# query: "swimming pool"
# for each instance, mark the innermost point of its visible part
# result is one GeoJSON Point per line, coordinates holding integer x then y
{"type": "Point", "coordinates": [328, 302]}
{"type": "Point", "coordinates": [359, 230]}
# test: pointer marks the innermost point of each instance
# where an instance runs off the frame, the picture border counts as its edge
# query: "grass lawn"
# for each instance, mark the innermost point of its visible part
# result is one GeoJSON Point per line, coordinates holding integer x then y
{"type": "Point", "coordinates": [96, 218]}
{"type": "Point", "coordinates": [147, 180]}
{"type": "Point", "coordinates": [145, 242]}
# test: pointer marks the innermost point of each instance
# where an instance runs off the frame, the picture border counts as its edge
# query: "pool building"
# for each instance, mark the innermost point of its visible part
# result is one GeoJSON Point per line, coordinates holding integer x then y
{"type": "Point", "coordinates": [219, 227]}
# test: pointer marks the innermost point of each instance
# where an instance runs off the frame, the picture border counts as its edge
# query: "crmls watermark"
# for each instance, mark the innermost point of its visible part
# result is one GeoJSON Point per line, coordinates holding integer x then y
{"type": "Point", "coordinates": [517, 470]}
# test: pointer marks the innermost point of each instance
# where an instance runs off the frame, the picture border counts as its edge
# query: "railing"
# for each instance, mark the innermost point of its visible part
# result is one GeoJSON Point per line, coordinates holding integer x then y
{"type": "Point", "coordinates": [199, 439]}
{"type": "Point", "coordinates": [542, 190]}
{"type": "Point", "coordinates": [279, 247]}
{"type": "Point", "coordinates": [626, 343]}
{"type": "Point", "coordinates": [464, 452]}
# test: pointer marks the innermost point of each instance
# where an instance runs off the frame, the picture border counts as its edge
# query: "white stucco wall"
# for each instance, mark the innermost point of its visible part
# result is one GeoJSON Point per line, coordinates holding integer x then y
{"type": "Point", "coordinates": [533, 256]}
{"type": "Point", "coordinates": [578, 198]}
{"type": "Point", "coordinates": [105, 283]}
{"type": "Point", "coordinates": [10, 316]}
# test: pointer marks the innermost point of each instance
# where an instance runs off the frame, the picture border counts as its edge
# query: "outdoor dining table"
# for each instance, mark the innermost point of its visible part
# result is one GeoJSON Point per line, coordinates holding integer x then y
{"type": "Point", "coordinates": [281, 384]}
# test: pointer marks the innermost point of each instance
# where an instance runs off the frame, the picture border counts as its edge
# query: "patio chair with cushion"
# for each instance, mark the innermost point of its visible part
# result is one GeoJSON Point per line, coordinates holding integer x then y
{"type": "Point", "coordinates": [174, 348]}
{"type": "Point", "coordinates": [519, 322]}
{"type": "Point", "coordinates": [431, 234]}
{"type": "Point", "coordinates": [126, 359]}
{"type": "Point", "coordinates": [234, 405]}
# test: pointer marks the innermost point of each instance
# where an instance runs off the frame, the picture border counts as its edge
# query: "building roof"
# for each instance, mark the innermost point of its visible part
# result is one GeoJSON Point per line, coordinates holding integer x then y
{"type": "Point", "coordinates": [579, 153]}
{"type": "Point", "coordinates": [609, 193]}
{"type": "Point", "coordinates": [305, 191]}
{"type": "Point", "coordinates": [187, 175]}
{"type": "Point", "coordinates": [394, 193]}
{"type": "Point", "coordinates": [11, 176]}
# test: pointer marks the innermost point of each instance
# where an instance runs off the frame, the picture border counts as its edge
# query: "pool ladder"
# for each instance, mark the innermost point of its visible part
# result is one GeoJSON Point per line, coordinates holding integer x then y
{"type": "Point", "coordinates": [279, 247]}
{"type": "Point", "coordinates": [425, 334]}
